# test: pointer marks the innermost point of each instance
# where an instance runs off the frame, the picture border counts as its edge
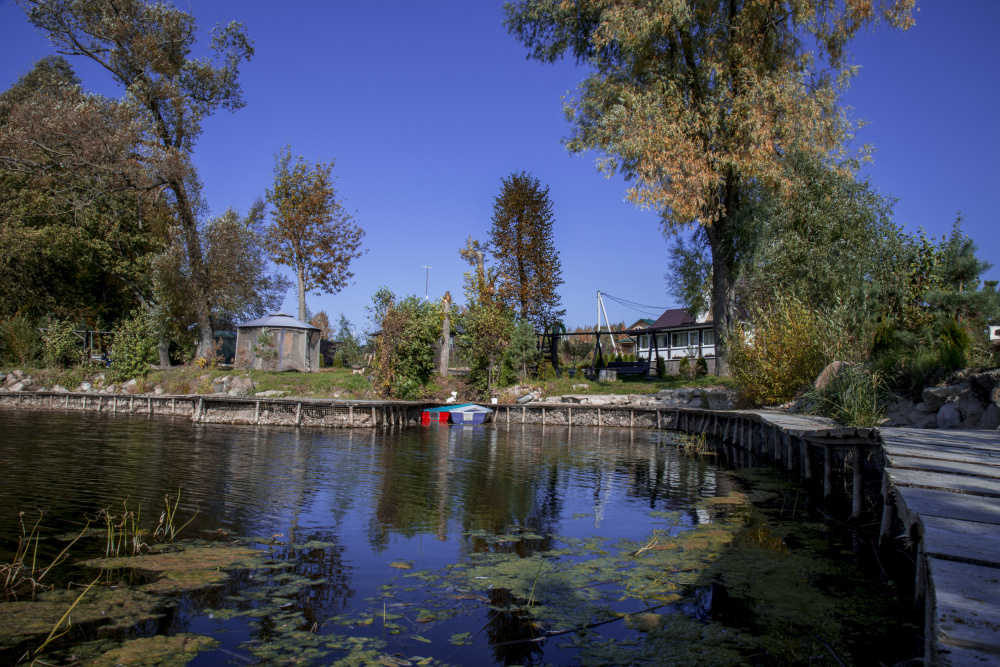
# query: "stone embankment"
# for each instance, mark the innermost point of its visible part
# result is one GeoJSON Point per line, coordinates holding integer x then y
{"type": "Point", "coordinates": [970, 401]}
{"type": "Point", "coordinates": [227, 385]}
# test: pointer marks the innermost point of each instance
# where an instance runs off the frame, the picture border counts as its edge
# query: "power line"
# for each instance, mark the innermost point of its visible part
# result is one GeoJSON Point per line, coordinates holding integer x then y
{"type": "Point", "coordinates": [638, 307]}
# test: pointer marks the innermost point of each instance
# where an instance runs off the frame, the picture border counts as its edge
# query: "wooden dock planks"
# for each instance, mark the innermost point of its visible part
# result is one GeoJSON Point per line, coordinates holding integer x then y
{"type": "Point", "coordinates": [946, 486]}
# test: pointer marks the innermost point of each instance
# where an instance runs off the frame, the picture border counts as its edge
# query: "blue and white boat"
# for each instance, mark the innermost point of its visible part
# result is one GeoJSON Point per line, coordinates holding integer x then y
{"type": "Point", "coordinates": [469, 414]}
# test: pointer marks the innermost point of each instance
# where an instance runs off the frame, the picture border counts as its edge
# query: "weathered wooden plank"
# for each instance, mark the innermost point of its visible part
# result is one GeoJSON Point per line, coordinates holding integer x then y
{"type": "Point", "coordinates": [983, 440]}
{"type": "Point", "coordinates": [946, 454]}
{"type": "Point", "coordinates": [959, 484]}
{"type": "Point", "coordinates": [966, 612]}
{"type": "Point", "coordinates": [975, 467]}
{"type": "Point", "coordinates": [961, 539]}
{"type": "Point", "coordinates": [926, 502]}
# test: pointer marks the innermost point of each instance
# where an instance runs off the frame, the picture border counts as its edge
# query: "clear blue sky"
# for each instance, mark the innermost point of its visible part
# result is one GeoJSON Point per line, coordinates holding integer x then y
{"type": "Point", "coordinates": [427, 105]}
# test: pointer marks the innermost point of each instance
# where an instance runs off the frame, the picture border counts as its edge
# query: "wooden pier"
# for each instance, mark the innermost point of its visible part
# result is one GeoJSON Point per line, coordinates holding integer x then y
{"type": "Point", "coordinates": [944, 486]}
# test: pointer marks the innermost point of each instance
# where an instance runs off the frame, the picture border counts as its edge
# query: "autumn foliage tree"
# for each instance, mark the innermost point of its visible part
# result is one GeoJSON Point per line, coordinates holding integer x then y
{"type": "Point", "coordinates": [147, 49]}
{"type": "Point", "coordinates": [696, 102]}
{"type": "Point", "coordinates": [312, 233]}
{"type": "Point", "coordinates": [521, 242]}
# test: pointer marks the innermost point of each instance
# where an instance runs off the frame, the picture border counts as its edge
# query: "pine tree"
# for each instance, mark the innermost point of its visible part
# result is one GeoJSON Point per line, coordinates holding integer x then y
{"type": "Point", "coordinates": [521, 242]}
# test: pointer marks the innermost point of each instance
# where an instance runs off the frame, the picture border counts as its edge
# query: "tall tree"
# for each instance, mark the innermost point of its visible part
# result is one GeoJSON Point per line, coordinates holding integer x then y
{"type": "Point", "coordinates": [697, 101]}
{"type": "Point", "coordinates": [521, 242]}
{"type": "Point", "coordinates": [242, 284]}
{"type": "Point", "coordinates": [312, 232]}
{"type": "Point", "coordinates": [147, 49]}
{"type": "Point", "coordinates": [71, 242]}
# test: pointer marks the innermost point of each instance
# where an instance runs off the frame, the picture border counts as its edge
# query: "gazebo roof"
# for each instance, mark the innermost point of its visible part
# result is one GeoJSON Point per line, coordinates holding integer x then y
{"type": "Point", "coordinates": [278, 321]}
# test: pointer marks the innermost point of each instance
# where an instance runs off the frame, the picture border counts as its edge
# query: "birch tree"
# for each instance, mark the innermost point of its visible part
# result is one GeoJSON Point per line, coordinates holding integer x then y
{"type": "Point", "coordinates": [312, 233]}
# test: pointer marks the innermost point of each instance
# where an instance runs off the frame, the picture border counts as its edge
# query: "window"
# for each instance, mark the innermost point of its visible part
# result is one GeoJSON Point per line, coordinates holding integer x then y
{"type": "Point", "coordinates": [679, 339]}
{"type": "Point", "coordinates": [661, 341]}
{"type": "Point", "coordinates": [708, 337]}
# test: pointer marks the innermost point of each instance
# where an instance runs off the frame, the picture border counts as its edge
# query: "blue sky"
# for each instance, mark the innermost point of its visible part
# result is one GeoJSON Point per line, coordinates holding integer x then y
{"type": "Point", "coordinates": [427, 105]}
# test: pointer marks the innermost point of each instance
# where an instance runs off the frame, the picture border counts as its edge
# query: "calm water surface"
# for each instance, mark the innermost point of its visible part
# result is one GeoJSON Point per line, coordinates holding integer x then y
{"type": "Point", "coordinates": [435, 499]}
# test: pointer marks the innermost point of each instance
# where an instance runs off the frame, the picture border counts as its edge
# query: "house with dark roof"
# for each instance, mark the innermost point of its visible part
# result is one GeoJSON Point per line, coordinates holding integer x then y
{"type": "Point", "coordinates": [676, 335]}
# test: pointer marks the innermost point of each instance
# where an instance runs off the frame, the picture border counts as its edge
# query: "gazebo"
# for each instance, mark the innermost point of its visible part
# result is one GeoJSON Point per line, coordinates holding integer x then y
{"type": "Point", "coordinates": [278, 342]}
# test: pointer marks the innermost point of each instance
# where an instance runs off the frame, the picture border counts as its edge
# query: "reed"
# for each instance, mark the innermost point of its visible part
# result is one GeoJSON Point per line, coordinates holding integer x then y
{"type": "Point", "coordinates": [20, 572]}
{"type": "Point", "coordinates": [167, 529]}
{"type": "Point", "coordinates": [693, 444]}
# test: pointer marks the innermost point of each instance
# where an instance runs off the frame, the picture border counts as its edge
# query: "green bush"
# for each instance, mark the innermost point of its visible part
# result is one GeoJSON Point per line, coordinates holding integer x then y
{"type": "Point", "coordinates": [133, 347]}
{"type": "Point", "coordinates": [661, 367]}
{"type": "Point", "coordinates": [779, 355]}
{"type": "Point", "coordinates": [59, 346]}
{"type": "Point", "coordinates": [856, 396]}
{"type": "Point", "coordinates": [955, 346]}
{"type": "Point", "coordinates": [701, 367]}
{"type": "Point", "coordinates": [20, 341]}
{"type": "Point", "coordinates": [684, 367]}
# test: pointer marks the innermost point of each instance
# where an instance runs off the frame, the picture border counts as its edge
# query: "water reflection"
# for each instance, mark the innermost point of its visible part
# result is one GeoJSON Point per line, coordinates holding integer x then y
{"type": "Point", "coordinates": [344, 505]}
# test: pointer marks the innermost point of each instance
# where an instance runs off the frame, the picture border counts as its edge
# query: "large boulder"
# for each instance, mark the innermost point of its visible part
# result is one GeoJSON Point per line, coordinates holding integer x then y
{"type": "Point", "coordinates": [985, 383]}
{"type": "Point", "coordinates": [990, 420]}
{"type": "Point", "coordinates": [720, 399]}
{"type": "Point", "coordinates": [935, 397]}
{"type": "Point", "coordinates": [241, 386]}
{"type": "Point", "coordinates": [949, 416]}
{"type": "Point", "coordinates": [826, 376]}
{"type": "Point", "coordinates": [221, 384]}
{"type": "Point", "coordinates": [17, 386]}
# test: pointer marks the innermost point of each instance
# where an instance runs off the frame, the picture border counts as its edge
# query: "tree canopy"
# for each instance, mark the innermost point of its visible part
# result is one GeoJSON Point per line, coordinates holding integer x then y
{"type": "Point", "coordinates": [527, 263]}
{"type": "Point", "coordinates": [313, 233]}
{"type": "Point", "coordinates": [147, 49]}
{"type": "Point", "coordinates": [697, 102]}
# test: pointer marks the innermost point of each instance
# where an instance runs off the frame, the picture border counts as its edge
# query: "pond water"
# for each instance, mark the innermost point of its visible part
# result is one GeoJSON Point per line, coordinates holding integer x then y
{"type": "Point", "coordinates": [433, 545]}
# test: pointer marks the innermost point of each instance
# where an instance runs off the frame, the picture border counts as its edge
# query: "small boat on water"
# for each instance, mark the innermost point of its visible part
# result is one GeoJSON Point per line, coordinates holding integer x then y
{"type": "Point", "coordinates": [469, 414]}
{"type": "Point", "coordinates": [441, 414]}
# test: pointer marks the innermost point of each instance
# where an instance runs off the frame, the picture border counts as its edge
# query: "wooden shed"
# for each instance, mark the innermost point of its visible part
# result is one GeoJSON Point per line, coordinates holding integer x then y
{"type": "Point", "coordinates": [278, 342]}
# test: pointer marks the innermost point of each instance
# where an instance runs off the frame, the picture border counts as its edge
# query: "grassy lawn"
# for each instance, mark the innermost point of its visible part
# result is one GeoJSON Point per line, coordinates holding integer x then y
{"type": "Point", "coordinates": [328, 383]}
{"type": "Point", "coordinates": [564, 385]}
{"type": "Point", "coordinates": [340, 383]}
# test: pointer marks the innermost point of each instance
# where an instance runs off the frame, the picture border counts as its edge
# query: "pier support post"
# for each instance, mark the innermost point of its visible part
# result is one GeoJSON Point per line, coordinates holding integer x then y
{"type": "Point", "coordinates": [888, 505]}
{"type": "Point", "coordinates": [857, 491]}
{"type": "Point", "coordinates": [827, 471]}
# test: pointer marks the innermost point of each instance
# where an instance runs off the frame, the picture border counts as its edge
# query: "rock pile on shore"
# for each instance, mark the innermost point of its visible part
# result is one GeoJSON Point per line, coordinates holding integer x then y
{"type": "Point", "coordinates": [967, 401]}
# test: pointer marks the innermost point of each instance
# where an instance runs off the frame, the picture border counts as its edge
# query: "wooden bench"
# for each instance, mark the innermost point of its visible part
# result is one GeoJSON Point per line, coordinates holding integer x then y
{"type": "Point", "coordinates": [628, 367]}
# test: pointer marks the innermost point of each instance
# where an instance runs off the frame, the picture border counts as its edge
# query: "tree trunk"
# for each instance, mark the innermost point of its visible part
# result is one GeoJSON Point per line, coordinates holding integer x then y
{"type": "Point", "coordinates": [302, 292]}
{"type": "Point", "coordinates": [164, 351]}
{"type": "Point", "coordinates": [723, 292]}
{"type": "Point", "coordinates": [203, 313]}
{"type": "Point", "coordinates": [445, 360]}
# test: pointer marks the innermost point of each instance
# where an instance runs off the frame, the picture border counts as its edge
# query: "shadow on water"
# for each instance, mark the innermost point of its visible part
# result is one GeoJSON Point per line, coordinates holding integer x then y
{"type": "Point", "coordinates": [435, 545]}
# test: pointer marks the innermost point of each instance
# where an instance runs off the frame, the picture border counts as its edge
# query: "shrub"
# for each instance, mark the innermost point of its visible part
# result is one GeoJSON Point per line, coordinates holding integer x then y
{"type": "Point", "coordinates": [59, 346]}
{"type": "Point", "coordinates": [777, 356]}
{"type": "Point", "coordinates": [545, 371]}
{"type": "Point", "coordinates": [856, 396]}
{"type": "Point", "coordinates": [618, 357]}
{"type": "Point", "coordinates": [684, 367]}
{"type": "Point", "coordinates": [20, 341]}
{"type": "Point", "coordinates": [701, 367]}
{"type": "Point", "coordinates": [133, 347]}
{"type": "Point", "coordinates": [523, 349]}
{"type": "Point", "coordinates": [955, 346]}
{"type": "Point", "coordinates": [404, 358]}
{"type": "Point", "coordinates": [661, 367]}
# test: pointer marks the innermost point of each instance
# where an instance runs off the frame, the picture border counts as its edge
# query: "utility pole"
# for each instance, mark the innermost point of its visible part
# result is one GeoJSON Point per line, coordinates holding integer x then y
{"type": "Point", "coordinates": [427, 279]}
